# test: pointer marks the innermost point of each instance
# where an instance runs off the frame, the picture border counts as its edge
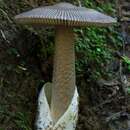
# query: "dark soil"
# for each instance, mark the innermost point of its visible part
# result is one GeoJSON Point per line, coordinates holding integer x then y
{"type": "Point", "coordinates": [26, 64]}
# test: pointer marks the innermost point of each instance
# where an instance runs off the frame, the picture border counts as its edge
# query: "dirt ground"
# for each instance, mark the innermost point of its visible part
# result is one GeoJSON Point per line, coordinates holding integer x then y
{"type": "Point", "coordinates": [103, 104]}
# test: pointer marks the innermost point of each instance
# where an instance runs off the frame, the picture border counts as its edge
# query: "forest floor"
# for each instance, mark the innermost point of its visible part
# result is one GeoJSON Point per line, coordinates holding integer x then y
{"type": "Point", "coordinates": [103, 104]}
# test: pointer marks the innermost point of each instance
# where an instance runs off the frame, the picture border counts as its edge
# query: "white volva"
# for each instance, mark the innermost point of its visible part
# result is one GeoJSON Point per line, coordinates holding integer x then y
{"type": "Point", "coordinates": [66, 122]}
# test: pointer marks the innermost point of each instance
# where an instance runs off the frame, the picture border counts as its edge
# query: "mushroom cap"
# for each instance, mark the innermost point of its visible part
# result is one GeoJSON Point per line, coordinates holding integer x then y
{"type": "Point", "coordinates": [64, 14]}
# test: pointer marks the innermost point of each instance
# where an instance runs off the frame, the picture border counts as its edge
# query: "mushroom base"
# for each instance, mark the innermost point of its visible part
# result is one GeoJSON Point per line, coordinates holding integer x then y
{"type": "Point", "coordinates": [44, 120]}
{"type": "Point", "coordinates": [63, 72]}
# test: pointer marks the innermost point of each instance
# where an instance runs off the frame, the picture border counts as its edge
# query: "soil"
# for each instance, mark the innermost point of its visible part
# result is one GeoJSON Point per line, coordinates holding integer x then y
{"type": "Point", "coordinates": [25, 65]}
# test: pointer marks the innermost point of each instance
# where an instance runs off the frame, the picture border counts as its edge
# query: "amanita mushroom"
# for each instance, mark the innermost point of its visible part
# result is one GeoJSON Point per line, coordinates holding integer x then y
{"type": "Point", "coordinates": [64, 17]}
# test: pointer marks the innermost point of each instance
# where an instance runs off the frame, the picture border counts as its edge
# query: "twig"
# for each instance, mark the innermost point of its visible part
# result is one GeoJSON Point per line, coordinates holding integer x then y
{"type": "Point", "coordinates": [3, 35]}
{"type": "Point", "coordinates": [107, 101]}
{"type": "Point", "coordinates": [114, 116]}
{"type": "Point", "coordinates": [79, 3]}
{"type": "Point", "coordinates": [1, 10]}
{"type": "Point", "coordinates": [32, 3]}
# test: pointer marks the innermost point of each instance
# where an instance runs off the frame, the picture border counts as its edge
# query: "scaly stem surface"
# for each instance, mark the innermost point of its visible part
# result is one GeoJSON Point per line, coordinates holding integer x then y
{"type": "Point", "coordinates": [63, 73]}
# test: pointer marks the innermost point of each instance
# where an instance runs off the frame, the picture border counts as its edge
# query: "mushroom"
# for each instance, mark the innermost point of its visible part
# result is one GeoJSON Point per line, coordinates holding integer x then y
{"type": "Point", "coordinates": [64, 17]}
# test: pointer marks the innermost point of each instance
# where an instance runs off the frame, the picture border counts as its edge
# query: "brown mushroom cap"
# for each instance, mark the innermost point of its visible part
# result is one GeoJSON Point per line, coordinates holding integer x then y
{"type": "Point", "coordinates": [64, 14]}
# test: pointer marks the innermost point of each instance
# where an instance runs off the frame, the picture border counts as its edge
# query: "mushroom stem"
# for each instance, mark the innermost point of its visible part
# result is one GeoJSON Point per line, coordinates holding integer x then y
{"type": "Point", "coordinates": [63, 72]}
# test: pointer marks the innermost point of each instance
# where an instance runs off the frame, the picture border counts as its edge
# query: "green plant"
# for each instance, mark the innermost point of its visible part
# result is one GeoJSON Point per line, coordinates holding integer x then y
{"type": "Point", "coordinates": [96, 45]}
{"type": "Point", "coordinates": [126, 60]}
{"type": "Point", "coordinates": [22, 121]}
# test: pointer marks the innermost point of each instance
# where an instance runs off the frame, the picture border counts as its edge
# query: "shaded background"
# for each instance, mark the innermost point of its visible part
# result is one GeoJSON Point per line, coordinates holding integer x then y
{"type": "Point", "coordinates": [26, 60]}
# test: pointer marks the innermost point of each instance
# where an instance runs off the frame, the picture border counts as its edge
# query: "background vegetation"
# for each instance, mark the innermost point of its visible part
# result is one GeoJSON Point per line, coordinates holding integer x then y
{"type": "Point", "coordinates": [26, 60]}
